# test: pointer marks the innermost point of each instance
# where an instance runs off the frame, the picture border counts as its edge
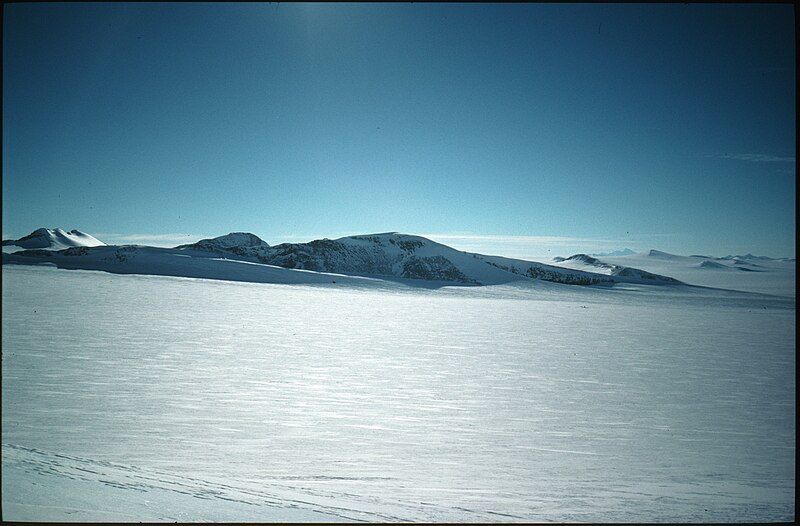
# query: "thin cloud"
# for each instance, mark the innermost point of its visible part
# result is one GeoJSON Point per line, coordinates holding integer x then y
{"type": "Point", "coordinates": [537, 240]}
{"type": "Point", "coordinates": [528, 247]}
{"type": "Point", "coordinates": [755, 158]}
{"type": "Point", "coordinates": [153, 240]}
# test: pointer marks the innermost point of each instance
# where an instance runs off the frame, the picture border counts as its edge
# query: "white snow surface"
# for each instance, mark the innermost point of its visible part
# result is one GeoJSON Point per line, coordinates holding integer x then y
{"type": "Point", "coordinates": [130, 397]}
{"type": "Point", "coordinates": [52, 239]}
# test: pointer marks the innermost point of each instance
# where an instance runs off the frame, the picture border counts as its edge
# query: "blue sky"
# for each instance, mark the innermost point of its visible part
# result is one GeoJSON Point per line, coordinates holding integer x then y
{"type": "Point", "coordinates": [521, 130]}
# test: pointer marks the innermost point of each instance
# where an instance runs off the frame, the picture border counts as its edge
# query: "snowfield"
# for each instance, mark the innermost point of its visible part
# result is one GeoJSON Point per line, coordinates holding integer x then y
{"type": "Point", "coordinates": [155, 398]}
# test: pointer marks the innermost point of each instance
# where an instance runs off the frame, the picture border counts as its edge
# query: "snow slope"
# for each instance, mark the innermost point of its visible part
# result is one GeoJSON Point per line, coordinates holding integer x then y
{"type": "Point", "coordinates": [53, 239]}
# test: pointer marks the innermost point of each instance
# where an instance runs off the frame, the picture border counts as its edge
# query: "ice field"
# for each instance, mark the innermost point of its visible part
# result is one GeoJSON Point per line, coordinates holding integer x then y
{"type": "Point", "coordinates": [149, 398]}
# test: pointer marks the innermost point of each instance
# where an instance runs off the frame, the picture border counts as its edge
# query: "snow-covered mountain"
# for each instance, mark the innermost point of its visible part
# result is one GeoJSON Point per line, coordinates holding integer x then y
{"type": "Point", "coordinates": [409, 259]}
{"type": "Point", "coordinates": [384, 256]}
{"type": "Point", "coordinates": [235, 241]}
{"type": "Point", "coordinates": [745, 273]}
{"type": "Point", "coordinates": [591, 264]}
{"type": "Point", "coordinates": [398, 255]}
{"type": "Point", "coordinates": [54, 239]}
{"type": "Point", "coordinates": [713, 264]}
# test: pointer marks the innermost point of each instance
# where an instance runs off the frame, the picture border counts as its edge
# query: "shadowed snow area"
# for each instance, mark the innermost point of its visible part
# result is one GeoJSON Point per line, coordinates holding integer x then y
{"type": "Point", "coordinates": [130, 397]}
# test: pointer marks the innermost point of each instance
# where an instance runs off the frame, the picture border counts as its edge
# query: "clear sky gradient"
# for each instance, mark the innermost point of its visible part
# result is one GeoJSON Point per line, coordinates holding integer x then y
{"type": "Point", "coordinates": [520, 130]}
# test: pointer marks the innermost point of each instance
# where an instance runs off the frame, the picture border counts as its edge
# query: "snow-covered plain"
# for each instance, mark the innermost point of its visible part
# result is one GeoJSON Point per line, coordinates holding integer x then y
{"type": "Point", "coordinates": [130, 397]}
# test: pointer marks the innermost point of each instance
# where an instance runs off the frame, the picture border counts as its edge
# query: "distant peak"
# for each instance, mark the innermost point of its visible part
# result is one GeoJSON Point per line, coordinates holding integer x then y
{"type": "Point", "coordinates": [660, 254]}
{"type": "Point", "coordinates": [55, 239]}
{"type": "Point", "coordinates": [234, 239]}
{"type": "Point", "coordinates": [713, 264]}
{"type": "Point", "coordinates": [583, 257]}
{"type": "Point", "coordinates": [751, 256]}
{"type": "Point", "coordinates": [240, 239]}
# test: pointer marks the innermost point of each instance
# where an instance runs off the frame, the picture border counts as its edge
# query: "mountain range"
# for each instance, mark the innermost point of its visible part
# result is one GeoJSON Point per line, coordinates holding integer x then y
{"type": "Point", "coordinates": [243, 256]}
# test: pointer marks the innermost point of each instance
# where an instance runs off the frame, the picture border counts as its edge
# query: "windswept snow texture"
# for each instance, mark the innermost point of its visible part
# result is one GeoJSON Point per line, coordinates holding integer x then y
{"type": "Point", "coordinates": [55, 239]}
{"type": "Point", "coordinates": [130, 397]}
{"type": "Point", "coordinates": [747, 273]}
{"type": "Point", "coordinates": [391, 256]}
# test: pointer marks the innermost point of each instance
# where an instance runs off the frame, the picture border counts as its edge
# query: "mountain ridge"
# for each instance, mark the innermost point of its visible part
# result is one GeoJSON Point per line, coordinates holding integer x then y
{"type": "Point", "coordinates": [387, 255]}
